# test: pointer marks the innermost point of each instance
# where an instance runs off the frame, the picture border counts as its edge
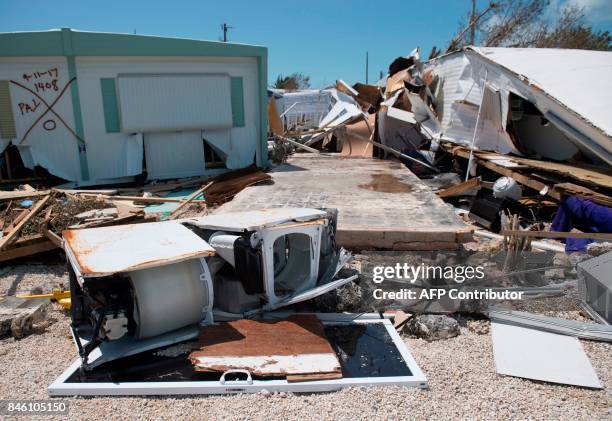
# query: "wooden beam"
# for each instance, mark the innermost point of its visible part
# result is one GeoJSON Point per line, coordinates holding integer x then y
{"type": "Point", "coordinates": [558, 234]}
{"type": "Point", "coordinates": [26, 250]}
{"type": "Point", "coordinates": [12, 195]}
{"type": "Point", "coordinates": [520, 178]}
{"type": "Point", "coordinates": [299, 145]}
{"type": "Point", "coordinates": [11, 236]}
{"type": "Point", "coordinates": [137, 198]}
{"type": "Point", "coordinates": [190, 199]}
{"type": "Point", "coordinates": [53, 237]}
{"type": "Point", "coordinates": [458, 189]}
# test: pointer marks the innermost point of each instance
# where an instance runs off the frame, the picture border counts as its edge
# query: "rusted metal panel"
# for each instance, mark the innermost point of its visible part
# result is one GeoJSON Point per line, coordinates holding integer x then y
{"type": "Point", "coordinates": [124, 248]}
{"type": "Point", "coordinates": [296, 345]}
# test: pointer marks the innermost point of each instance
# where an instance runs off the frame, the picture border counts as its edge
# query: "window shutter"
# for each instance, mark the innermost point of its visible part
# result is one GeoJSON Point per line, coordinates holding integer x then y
{"type": "Point", "coordinates": [237, 102]}
{"type": "Point", "coordinates": [109, 104]}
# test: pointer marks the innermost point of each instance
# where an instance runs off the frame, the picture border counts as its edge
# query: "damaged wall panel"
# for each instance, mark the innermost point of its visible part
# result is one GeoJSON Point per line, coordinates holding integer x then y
{"type": "Point", "coordinates": [522, 72]}
{"type": "Point", "coordinates": [60, 99]}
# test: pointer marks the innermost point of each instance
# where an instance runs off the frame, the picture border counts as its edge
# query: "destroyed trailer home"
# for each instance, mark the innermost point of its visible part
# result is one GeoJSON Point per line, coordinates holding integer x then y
{"type": "Point", "coordinates": [524, 140]}
{"type": "Point", "coordinates": [234, 283]}
{"type": "Point", "coordinates": [88, 109]}
{"type": "Point", "coordinates": [175, 279]}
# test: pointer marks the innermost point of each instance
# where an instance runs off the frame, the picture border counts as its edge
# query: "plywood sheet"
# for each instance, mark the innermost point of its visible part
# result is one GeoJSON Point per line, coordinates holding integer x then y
{"type": "Point", "coordinates": [538, 355]}
{"type": "Point", "coordinates": [294, 346]}
{"type": "Point", "coordinates": [354, 142]}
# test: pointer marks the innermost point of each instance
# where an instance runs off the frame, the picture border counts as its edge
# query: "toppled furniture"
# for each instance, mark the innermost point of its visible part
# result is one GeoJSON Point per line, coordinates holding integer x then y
{"type": "Point", "coordinates": [138, 288]}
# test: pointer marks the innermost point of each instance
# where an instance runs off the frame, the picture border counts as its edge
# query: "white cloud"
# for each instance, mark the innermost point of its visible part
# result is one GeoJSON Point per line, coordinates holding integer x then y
{"type": "Point", "coordinates": [594, 10]}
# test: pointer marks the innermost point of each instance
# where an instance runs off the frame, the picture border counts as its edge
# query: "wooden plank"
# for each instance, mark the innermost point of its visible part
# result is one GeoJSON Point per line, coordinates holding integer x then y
{"type": "Point", "coordinates": [16, 221]}
{"type": "Point", "coordinates": [523, 179]}
{"type": "Point", "coordinates": [583, 192]}
{"type": "Point", "coordinates": [53, 237]}
{"type": "Point", "coordinates": [298, 144]}
{"type": "Point", "coordinates": [458, 189]}
{"type": "Point", "coordinates": [12, 195]}
{"type": "Point", "coordinates": [25, 251]}
{"type": "Point", "coordinates": [137, 198]}
{"type": "Point", "coordinates": [189, 199]}
{"type": "Point", "coordinates": [558, 234]}
{"type": "Point", "coordinates": [293, 378]}
{"type": "Point", "coordinates": [584, 174]}
{"type": "Point", "coordinates": [296, 345]}
{"type": "Point", "coordinates": [15, 232]}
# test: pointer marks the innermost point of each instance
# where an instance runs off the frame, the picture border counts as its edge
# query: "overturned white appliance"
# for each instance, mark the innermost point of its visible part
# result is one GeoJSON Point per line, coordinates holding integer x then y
{"type": "Point", "coordinates": [138, 288]}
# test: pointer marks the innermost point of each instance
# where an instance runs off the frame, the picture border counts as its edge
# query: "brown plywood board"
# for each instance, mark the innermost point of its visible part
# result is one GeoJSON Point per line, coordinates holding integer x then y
{"type": "Point", "coordinates": [354, 139]}
{"type": "Point", "coordinates": [293, 346]}
{"type": "Point", "coordinates": [381, 204]}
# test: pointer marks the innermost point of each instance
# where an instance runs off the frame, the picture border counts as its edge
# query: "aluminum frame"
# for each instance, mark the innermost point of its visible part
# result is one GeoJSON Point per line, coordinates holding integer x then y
{"type": "Point", "coordinates": [60, 388]}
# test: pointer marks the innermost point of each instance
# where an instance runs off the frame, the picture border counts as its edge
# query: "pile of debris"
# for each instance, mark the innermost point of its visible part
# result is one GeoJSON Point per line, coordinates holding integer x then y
{"type": "Point", "coordinates": [475, 128]}
{"type": "Point", "coordinates": [33, 220]}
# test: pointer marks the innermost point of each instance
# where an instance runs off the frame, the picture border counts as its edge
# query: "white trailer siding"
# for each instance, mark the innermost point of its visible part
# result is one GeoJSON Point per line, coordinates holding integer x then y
{"type": "Point", "coordinates": [43, 135]}
{"type": "Point", "coordinates": [462, 78]}
{"type": "Point", "coordinates": [112, 148]}
{"type": "Point", "coordinates": [184, 101]}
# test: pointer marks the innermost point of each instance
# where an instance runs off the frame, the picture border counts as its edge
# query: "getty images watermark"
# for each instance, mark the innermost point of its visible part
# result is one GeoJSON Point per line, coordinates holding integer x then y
{"type": "Point", "coordinates": [430, 274]}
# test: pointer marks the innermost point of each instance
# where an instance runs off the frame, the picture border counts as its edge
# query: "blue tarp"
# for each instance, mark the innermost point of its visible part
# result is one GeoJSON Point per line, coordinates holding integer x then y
{"type": "Point", "coordinates": [583, 215]}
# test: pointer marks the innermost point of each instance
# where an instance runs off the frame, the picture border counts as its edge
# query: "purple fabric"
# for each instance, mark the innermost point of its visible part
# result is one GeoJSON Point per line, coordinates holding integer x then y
{"type": "Point", "coordinates": [583, 215]}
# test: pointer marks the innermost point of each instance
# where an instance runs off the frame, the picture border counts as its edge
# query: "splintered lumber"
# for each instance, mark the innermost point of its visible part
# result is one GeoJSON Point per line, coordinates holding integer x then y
{"type": "Point", "coordinates": [189, 199]}
{"type": "Point", "coordinates": [461, 188]}
{"type": "Point", "coordinates": [28, 250]}
{"type": "Point", "coordinates": [19, 194]}
{"type": "Point", "coordinates": [11, 236]}
{"type": "Point", "coordinates": [53, 237]}
{"type": "Point", "coordinates": [137, 198]}
{"type": "Point", "coordinates": [293, 346]}
{"type": "Point", "coordinates": [298, 144]}
{"type": "Point", "coordinates": [583, 192]}
{"type": "Point", "coordinates": [227, 185]}
{"type": "Point", "coordinates": [558, 234]}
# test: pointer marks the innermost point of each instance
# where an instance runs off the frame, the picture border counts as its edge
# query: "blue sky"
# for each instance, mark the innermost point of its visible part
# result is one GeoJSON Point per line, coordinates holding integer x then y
{"type": "Point", "coordinates": [324, 39]}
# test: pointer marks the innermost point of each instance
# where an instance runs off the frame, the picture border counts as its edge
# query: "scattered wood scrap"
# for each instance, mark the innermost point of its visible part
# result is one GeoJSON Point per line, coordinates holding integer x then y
{"type": "Point", "coordinates": [554, 179]}
{"type": "Point", "coordinates": [558, 234]}
{"type": "Point", "coordinates": [190, 199]}
{"type": "Point", "coordinates": [462, 188]}
{"type": "Point", "coordinates": [31, 221]}
{"type": "Point", "coordinates": [296, 347]}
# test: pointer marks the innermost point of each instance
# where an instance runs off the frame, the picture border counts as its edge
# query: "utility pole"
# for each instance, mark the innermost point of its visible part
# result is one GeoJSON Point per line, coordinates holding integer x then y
{"type": "Point", "coordinates": [473, 23]}
{"type": "Point", "coordinates": [367, 67]}
{"type": "Point", "coordinates": [224, 28]}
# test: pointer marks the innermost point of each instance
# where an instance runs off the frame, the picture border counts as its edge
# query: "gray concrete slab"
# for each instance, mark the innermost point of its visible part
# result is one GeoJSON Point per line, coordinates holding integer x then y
{"type": "Point", "coordinates": [381, 204]}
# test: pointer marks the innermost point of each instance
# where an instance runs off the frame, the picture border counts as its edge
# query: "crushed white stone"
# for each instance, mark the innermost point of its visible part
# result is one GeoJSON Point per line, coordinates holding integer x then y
{"type": "Point", "coordinates": [460, 371]}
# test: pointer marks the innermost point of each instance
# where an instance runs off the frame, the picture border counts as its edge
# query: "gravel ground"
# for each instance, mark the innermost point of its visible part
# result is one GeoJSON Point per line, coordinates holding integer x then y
{"type": "Point", "coordinates": [461, 374]}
